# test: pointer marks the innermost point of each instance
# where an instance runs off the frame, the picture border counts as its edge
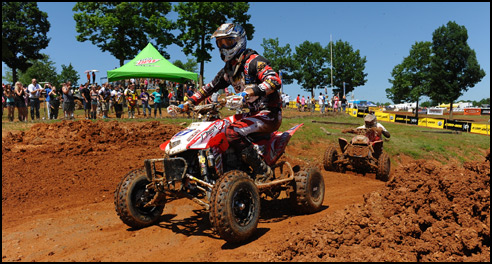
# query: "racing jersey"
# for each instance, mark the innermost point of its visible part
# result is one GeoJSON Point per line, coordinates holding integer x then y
{"type": "Point", "coordinates": [251, 71]}
{"type": "Point", "coordinates": [373, 136]}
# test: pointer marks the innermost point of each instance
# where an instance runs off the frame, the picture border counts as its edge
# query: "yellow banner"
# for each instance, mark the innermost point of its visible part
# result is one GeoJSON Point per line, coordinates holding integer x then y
{"type": "Point", "coordinates": [374, 108]}
{"type": "Point", "coordinates": [352, 112]}
{"type": "Point", "coordinates": [381, 116]}
{"type": "Point", "coordinates": [480, 128]}
{"type": "Point", "coordinates": [431, 122]}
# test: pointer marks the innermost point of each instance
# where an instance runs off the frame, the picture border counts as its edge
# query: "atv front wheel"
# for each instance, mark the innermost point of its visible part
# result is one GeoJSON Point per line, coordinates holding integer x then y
{"type": "Point", "coordinates": [331, 155]}
{"type": "Point", "coordinates": [235, 206]}
{"type": "Point", "coordinates": [384, 166]}
{"type": "Point", "coordinates": [309, 191]}
{"type": "Point", "coordinates": [130, 198]}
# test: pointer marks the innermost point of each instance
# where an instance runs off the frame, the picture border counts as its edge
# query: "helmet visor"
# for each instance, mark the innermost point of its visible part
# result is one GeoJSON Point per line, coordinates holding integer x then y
{"type": "Point", "coordinates": [226, 43]}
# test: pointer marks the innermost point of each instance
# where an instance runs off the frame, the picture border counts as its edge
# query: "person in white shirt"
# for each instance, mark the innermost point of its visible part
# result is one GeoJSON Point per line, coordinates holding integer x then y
{"type": "Point", "coordinates": [34, 90]}
{"type": "Point", "coordinates": [321, 102]}
{"type": "Point", "coordinates": [286, 100]}
{"type": "Point", "coordinates": [371, 121]}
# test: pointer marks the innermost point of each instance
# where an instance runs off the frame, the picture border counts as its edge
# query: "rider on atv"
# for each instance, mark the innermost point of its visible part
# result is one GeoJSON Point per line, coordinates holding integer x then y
{"type": "Point", "coordinates": [253, 78]}
{"type": "Point", "coordinates": [371, 121]}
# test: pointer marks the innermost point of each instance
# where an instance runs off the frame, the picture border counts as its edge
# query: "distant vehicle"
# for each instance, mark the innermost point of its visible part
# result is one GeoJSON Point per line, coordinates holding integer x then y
{"type": "Point", "coordinates": [360, 103]}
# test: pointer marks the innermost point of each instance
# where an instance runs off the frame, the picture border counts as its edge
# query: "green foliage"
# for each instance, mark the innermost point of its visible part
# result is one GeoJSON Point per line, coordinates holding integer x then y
{"type": "Point", "coordinates": [411, 77]}
{"type": "Point", "coordinates": [197, 21]}
{"type": "Point", "coordinates": [124, 28]}
{"type": "Point", "coordinates": [42, 70]}
{"type": "Point", "coordinates": [24, 32]}
{"type": "Point", "coordinates": [454, 67]}
{"type": "Point", "coordinates": [280, 59]}
{"type": "Point", "coordinates": [190, 65]}
{"type": "Point", "coordinates": [348, 67]}
{"type": "Point", "coordinates": [311, 66]}
{"type": "Point", "coordinates": [68, 73]}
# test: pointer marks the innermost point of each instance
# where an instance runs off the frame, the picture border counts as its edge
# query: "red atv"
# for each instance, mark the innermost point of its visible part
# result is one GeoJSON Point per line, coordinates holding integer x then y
{"type": "Point", "coordinates": [198, 164]}
{"type": "Point", "coordinates": [360, 154]}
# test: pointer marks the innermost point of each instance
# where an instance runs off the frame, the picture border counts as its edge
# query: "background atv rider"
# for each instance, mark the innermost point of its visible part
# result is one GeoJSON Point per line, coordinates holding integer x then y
{"type": "Point", "coordinates": [370, 121]}
{"type": "Point", "coordinates": [253, 78]}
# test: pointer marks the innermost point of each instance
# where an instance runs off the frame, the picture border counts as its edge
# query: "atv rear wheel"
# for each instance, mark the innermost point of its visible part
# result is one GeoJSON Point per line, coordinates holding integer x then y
{"type": "Point", "coordinates": [331, 155]}
{"type": "Point", "coordinates": [130, 198]}
{"type": "Point", "coordinates": [384, 166]}
{"type": "Point", "coordinates": [309, 191]}
{"type": "Point", "coordinates": [235, 206]}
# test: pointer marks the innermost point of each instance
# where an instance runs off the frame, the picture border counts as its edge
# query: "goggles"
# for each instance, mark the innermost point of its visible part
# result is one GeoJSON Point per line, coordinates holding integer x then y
{"type": "Point", "coordinates": [226, 43]}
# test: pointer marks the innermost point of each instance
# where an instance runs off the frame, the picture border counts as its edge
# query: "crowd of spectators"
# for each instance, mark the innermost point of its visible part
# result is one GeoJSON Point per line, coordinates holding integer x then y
{"type": "Point", "coordinates": [98, 101]}
{"type": "Point", "coordinates": [109, 99]}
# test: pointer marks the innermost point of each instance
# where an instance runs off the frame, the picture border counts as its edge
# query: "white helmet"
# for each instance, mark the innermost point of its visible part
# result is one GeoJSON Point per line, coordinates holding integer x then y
{"type": "Point", "coordinates": [231, 40]}
{"type": "Point", "coordinates": [370, 120]}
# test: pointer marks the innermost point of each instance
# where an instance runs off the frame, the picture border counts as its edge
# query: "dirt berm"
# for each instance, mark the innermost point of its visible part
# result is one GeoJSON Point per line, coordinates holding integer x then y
{"type": "Point", "coordinates": [429, 212]}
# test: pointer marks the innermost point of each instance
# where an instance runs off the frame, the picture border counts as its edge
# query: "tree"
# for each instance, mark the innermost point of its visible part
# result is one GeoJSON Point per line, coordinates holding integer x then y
{"type": "Point", "coordinates": [311, 66]}
{"type": "Point", "coordinates": [280, 59]}
{"type": "Point", "coordinates": [411, 78]}
{"type": "Point", "coordinates": [24, 31]}
{"type": "Point", "coordinates": [190, 65]}
{"type": "Point", "coordinates": [124, 28]}
{"type": "Point", "coordinates": [197, 21]}
{"type": "Point", "coordinates": [454, 67]}
{"type": "Point", "coordinates": [348, 67]}
{"type": "Point", "coordinates": [68, 73]}
{"type": "Point", "coordinates": [43, 70]}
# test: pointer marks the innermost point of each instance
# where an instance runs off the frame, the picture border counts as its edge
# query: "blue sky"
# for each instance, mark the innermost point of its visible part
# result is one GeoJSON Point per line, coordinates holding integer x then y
{"type": "Point", "coordinates": [383, 32]}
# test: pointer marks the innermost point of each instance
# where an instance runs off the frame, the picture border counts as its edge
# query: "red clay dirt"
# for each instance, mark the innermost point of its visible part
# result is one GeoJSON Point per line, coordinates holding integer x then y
{"type": "Point", "coordinates": [58, 183]}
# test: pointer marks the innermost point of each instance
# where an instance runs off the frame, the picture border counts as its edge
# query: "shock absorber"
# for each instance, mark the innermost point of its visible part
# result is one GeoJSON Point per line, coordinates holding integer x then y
{"type": "Point", "coordinates": [202, 160]}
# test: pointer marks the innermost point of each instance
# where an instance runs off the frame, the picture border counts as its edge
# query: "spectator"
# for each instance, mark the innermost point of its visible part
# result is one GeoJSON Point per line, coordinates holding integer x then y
{"type": "Point", "coordinates": [86, 94]}
{"type": "Point", "coordinates": [132, 101]}
{"type": "Point", "coordinates": [10, 101]}
{"type": "Point", "coordinates": [308, 103]}
{"type": "Point", "coordinates": [111, 99]}
{"type": "Point", "coordinates": [165, 94]}
{"type": "Point", "coordinates": [54, 95]}
{"type": "Point", "coordinates": [286, 100]}
{"type": "Point", "coordinates": [20, 101]}
{"type": "Point", "coordinates": [94, 101]}
{"type": "Point", "coordinates": [313, 104]}
{"type": "Point", "coordinates": [335, 103]}
{"type": "Point", "coordinates": [298, 102]}
{"type": "Point", "coordinates": [117, 94]}
{"type": "Point", "coordinates": [68, 101]}
{"type": "Point", "coordinates": [321, 102]}
{"type": "Point", "coordinates": [47, 89]}
{"type": "Point", "coordinates": [104, 96]}
{"type": "Point", "coordinates": [172, 98]}
{"type": "Point", "coordinates": [189, 91]}
{"type": "Point", "coordinates": [157, 97]}
{"type": "Point", "coordinates": [303, 103]}
{"type": "Point", "coordinates": [344, 103]}
{"type": "Point", "coordinates": [93, 77]}
{"type": "Point", "coordinates": [34, 90]}
{"type": "Point", "coordinates": [144, 96]}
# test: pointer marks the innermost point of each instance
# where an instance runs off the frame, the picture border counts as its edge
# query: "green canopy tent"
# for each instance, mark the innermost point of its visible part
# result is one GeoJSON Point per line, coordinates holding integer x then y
{"type": "Point", "coordinates": [149, 63]}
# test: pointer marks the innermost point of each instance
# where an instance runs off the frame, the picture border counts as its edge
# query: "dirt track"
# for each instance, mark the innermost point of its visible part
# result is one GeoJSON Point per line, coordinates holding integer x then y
{"type": "Point", "coordinates": [57, 205]}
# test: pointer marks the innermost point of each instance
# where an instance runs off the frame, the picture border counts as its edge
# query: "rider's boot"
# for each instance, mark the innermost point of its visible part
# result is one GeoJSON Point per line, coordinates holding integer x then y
{"type": "Point", "coordinates": [252, 158]}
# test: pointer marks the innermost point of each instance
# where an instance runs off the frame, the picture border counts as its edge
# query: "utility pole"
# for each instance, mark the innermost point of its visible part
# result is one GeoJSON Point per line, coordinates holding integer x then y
{"type": "Point", "coordinates": [331, 57]}
{"type": "Point", "coordinates": [343, 88]}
